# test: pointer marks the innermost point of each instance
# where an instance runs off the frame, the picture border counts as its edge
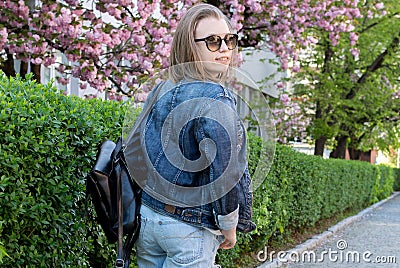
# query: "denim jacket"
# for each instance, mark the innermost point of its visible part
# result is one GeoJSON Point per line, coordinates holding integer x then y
{"type": "Point", "coordinates": [200, 102]}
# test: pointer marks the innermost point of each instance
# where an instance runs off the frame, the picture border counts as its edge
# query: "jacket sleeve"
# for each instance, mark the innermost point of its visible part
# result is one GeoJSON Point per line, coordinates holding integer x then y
{"type": "Point", "coordinates": [221, 124]}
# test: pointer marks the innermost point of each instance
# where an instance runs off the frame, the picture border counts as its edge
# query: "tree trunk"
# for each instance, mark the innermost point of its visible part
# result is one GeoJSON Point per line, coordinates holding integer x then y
{"type": "Point", "coordinates": [8, 66]}
{"type": "Point", "coordinates": [35, 69]}
{"type": "Point", "coordinates": [340, 150]}
{"type": "Point", "coordinates": [320, 146]}
{"type": "Point", "coordinates": [23, 70]}
{"type": "Point", "coordinates": [321, 140]}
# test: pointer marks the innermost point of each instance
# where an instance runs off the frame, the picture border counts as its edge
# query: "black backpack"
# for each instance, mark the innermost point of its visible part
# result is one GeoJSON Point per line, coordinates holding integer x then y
{"type": "Point", "coordinates": [116, 198]}
{"type": "Point", "coordinates": [115, 195]}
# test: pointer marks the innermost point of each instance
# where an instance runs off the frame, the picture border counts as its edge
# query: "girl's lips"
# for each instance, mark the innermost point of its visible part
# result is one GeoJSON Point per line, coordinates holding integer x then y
{"type": "Point", "coordinates": [223, 60]}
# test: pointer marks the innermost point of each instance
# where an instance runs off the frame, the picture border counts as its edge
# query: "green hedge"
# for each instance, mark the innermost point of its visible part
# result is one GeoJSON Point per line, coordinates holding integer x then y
{"type": "Point", "coordinates": [396, 175]}
{"type": "Point", "coordinates": [46, 147]}
{"type": "Point", "coordinates": [48, 142]}
{"type": "Point", "coordinates": [302, 189]}
{"type": "Point", "coordinates": [386, 182]}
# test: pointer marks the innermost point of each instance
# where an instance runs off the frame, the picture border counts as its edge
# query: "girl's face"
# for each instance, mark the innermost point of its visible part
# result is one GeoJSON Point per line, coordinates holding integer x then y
{"type": "Point", "coordinates": [216, 62]}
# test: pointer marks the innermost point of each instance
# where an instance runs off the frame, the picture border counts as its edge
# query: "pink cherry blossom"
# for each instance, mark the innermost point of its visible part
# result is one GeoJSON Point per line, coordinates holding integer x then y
{"type": "Point", "coordinates": [353, 38]}
{"type": "Point", "coordinates": [279, 85]}
{"type": "Point", "coordinates": [123, 38]}
{"type": "Point", "coordinates": [355, 52]}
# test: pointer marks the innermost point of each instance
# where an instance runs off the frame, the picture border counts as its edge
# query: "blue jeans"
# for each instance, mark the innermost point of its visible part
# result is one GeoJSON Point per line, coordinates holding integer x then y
{"type": "Point", "coordinates": [166, 242]}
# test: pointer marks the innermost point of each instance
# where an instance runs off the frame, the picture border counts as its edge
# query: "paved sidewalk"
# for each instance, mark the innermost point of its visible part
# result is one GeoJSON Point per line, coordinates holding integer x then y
{"type": "Point", "coordinates": [368, 239]}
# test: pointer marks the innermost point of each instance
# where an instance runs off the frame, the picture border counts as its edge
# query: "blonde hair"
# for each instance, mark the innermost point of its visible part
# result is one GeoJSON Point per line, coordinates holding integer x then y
{"type": "Point", "coordinates": [184, 60]}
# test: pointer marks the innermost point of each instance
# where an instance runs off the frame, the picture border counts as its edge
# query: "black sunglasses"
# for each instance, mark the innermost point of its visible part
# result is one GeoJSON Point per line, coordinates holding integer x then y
{"type": "Point", "coordinates": [214, 42]}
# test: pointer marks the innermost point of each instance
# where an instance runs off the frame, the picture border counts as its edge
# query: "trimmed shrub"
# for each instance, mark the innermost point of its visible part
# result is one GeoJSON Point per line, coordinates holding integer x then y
{"type": "Point", "coordinates": [386, 181]}
{"type": "Point", "coordinates": [300, 190]}
{"type": "Point", "coordinates": [396, 176]}
{"type": "Point", "coordinates": [48, 142]}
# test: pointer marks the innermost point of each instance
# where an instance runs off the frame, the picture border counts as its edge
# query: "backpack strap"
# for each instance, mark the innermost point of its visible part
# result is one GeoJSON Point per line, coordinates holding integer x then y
{"type": "Point", "coordinates": [120, 258]}
{"type": "Point", "coordinates": [125, 250]}
{"type": "Point", "coordinates": [131, 238]}
{"type": "Point", "coordinates": [147, 109]}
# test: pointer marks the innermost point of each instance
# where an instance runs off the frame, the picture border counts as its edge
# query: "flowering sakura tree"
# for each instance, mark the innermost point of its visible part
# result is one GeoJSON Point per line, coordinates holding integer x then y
{"type": "Point", "coordinates": [353, 83]}
{"type": "Point", "coordinates": [115, 45]}
{"type": "Point", "coordinates": [110, 45]}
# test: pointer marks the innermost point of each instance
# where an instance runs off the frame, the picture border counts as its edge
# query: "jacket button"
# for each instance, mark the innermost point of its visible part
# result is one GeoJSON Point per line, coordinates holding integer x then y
{"type": "Point", "coordinates": [160, 222]}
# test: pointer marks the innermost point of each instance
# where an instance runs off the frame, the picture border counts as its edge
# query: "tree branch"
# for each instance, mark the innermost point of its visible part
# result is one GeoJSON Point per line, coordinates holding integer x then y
{"type": "Point", "coordinates": [378, 63]}
{"type": "Point", "coordinates": [378, 22]}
